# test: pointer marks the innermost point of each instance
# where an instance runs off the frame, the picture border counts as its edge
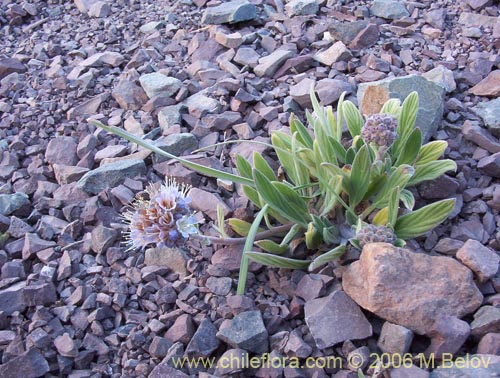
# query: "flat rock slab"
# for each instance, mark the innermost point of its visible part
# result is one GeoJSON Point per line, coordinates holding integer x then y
{"type": "Point", "coordinates": [410, 289]}
{"type": "Point", "coordinates": [30, 364]}
{"type": "Point", "coordinates": [230, 13]}
{"type": "Point", "coordinates": [372, 96]}
{"type": "Point", "coordinates": [334, 319]}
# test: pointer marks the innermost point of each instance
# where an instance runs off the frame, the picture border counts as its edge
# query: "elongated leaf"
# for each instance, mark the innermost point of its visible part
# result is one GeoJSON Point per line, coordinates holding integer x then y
{"type": "Point", "coordinates": [312, 237]}
{"type": "Point", "coordinates": [411, 148]}
{"type": "Point", "coordinates": [408, 199]}
{"type": "Point", "coordinates": [278, 261]}
{"type": "Point", "coordinates": [282, 142]}
{"type": "Point", "coordinates": [432, 170]}
{"type": "Point", "coordinates": [350, 155]}
{"type": "Point", "coordinates": [360, 176]}
{"type": "Point", "coordinates": [326, 257]}
{"type": "Point", "coordinates": [393, 106]}
{"type": "Point", "coordinates": [271, 246]}
{"type": "Point", "coordinates": [353, 118]}
{"type": "Point", "coordinates": [262, 165]}
{"type": "Point", "coordinates": [431, 151]}
{"type": "Point", "coordinates": [194, 166]}
{"type": "Point", "coordinates": [318, 109]}
{"type": "Point", "coordinates": [381, 218]}
{"type": "Point", "coordinates": [240, 226]}
{"type": "Point", "coordinates": [333, 125]}
{"type": "Point", "coordinates": [220, 221]}
{"type": "Point", "coordinates": [406, 122]}
{"type": "Point", "coordinates": [399, 177]}
{"type": "Point", "coordinates": [244, 167]}
{"type": "Point", "coordinates": [252, 195]}
{"type": "Point", "coordinates": [418, 222]}
{"type": "Point", "coordinates": [282, 198]}
{"type": "Point", "coordinates": [298, 127]}
{"type": "Point", "coordinates": [290, 234]}
{"type": "Point", "coordinates": [340, 151]}
{"type": "Point", "coordinates": [393, 207]}
{"type": "Point", "coordinates": [340, 116]}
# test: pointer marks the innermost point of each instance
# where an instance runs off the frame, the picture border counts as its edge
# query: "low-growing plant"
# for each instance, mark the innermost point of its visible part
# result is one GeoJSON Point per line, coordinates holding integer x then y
{"type": "Point", "coordinates": [334, 186]}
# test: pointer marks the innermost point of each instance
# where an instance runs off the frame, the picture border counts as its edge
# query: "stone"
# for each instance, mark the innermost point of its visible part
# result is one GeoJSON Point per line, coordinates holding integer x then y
{"type": "Point", "coordinates": [173, 258]}
{"type": "Point", "coordinates": [301, 92]}
{"type": "Point", "coordinates": [480, 259]}
{"type": "Point", "coordinates": [330, 90]}
{"type": "Point", "coordinates": [169, 116]}
{"type": "Point", "coordinates": [200, 104]}
{"type": "Point", "coordinates": [474, 132]}
{"type": "Point", "coordinates": [408, 372]}
{"type": "Point", "coordinates": [175, 144]}
{"type": "Point", "coordinates": [111, 175]}
{"type": "Point", "coordinates": [155, 84]}
{"type": "Point", "coordinates": [110, 152]}
{"type": "Point", "coordinates": [488, 111]}
{"type": "Point", "coordinates": [346, 31]}
{"type": "Point", "coordinates": [489, 344]}
{"type": "Point", "coordinates": [30, 364]}
{"type": "Point", "coordinates": [11, 65]}
{"type": "Point", "coordinates": [335, 319]}
{"type": "Point", "coordinates": [129, 95]}
{"type": "Point", "coordinates": [296, 346]}
{"type": "Point", "coordinates": [102, 238]}
{"type": "Point", "coordinates": [12, 299]}
{"type": "Point", "coordinates": [472, 366]}
{"type": "Point", "coordinates": [207, 202]}
{"type": "Point", "coordinates": [94, 343]}
{"type": "Point", "coordinates": [442, 187]}
{"type": "Point", "coordinates": [435, 17]}
{"type": "Point", "coordinates": [247, 56]}
{"type": "Point", "coordinates": [182, 330]}
{"type": "Point", "coordinates": [372, 96]}
{"type": "Point", "coordinates": [489, 86]}
{"type": "Point", "coordinates": [269, 64]}
{"type": "Point", "coordinates": [230, 13]}
{"type": "Point", "coordinates": [231, 41]}
{"type": "Point", "coordinates": [443, 77]}
{"type": "Point", "coordinates": [448, 334]}
{"type": "Point", "coordinates": [66, 174]}
{"type": "Point", "coordinates": [99, 9]}
{"type": "Point", "coordinates": [109, 58]}
{"type": "Point", "coordinates": [301, 7]}
{"type": "Point", "coordinates": [395, 339]}
{"type": "Point", "coordinates": [338, 52]}
{"type": "Point", "coordinates": [163, 370]}
{"type": "Point", "coordinates": [219, 285]}
{"type": "Point", "coordinates": [204, 341]}
{"type": "Point", "coordinates": [10, 203]}
{"type": "Point", "coordinates": [159, 347]}
{"type": "Point", "coordinates": [486, 320]}
{"type": "Point", "coordinates": [65, 345]}
{"type": "Point", "coordinates": [237, 359]}
{"type": "Point", "coordinates": [389, 9]}
{"type": "Point", "coordinates": [403, 288]}
{"type": "Point", "coordinates": [477, 20]}
{"type": "Point", "coordinates": [366, 38]}
{"type": "Point", "coordinates": [246, 331]}
{"type": "Point", "coordinates": [490, 165]}
{"type": "Point", "coordinates": [61, 150]}
{"type": "Point", "coordinates": [40, 294]}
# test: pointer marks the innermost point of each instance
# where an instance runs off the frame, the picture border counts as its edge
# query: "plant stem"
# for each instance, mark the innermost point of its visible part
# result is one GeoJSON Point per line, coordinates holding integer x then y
{"type": "Point", "coordinates": [233, 241]}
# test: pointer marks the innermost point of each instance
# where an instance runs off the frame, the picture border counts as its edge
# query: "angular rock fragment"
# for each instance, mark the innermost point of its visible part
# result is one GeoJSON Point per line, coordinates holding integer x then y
{"type": "Point", "coordinates": [156, 83]}
{"type": "Point", "coordinates": [204, 341]}
{"type": "Point", "coordinates": [447, 336]}
{"type": "Point", "coordinates": [30, 364]}
{"type": "Point", "coordinates": [268, 65]}
{"type": "Point", "coordinates": [489, 86]}
{"type": "Point", "coordinates": [394, 339]}
{"type": "Point", "coordinates": [230, 13]}
{"type": "Point", "coordinates": [246, 331]}
{"type": "Point", "coordinates": [480, 259]}
{"type": "Point", "coordinates": [389, 9]}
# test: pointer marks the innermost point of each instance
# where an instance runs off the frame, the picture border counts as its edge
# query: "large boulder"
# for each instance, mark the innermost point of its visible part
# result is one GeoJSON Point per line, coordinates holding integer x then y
{"type": "Point", "coordinates": [410, 289]}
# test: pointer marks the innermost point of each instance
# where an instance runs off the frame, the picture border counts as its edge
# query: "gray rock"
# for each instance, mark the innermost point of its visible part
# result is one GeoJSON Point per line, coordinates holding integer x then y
{"type": "Point", "coordinates": [159, 347]}
{"type": "Point", "coordinates": [489, 344]}
{"type": "Point", "coordinates": [230, 13]}
{"type": "Point", "coordinates": [219, 285]}
{"type": "Point", "coordinates": [335, 53]}
{"type": "Point", "coordinates": [268, 65]}
{"type": "Point", "coordinates": [329, 90]}
{"type": "Point", "coordinates": [486, 320]}
{"type": "Point", "coordinates": [200, 104]}
{"type": "Point", "coordinates": [474, 132]}
{"type": "Point", "coordinates": [175, 144]}
{"type": "Point", "coordinates": [346, 31]}
{"type": "Point", "coordinates": [395, 339]}
{"type": "Point", "coordinates": [300, 92]}
{"type": "Point", "coordinates": [163, 370]}
{"type": "Point", "coordinates": [371, 97]}
{"type": "Point", "coordinates": [246, 331]}
{"type": "Point", "coordinates": [61, 150]}
{"type": "Point", "coordinates": [480, 259]}
{"type": "Point", "coordinates": [30, 364]}
{"type": "Point", "coordinates": [110, 58]}
{"type": "Point", "coordinates": [129, 95]}
{"type": "Point", "coordinates": [334, 319]}
{"type": "Point", "coordinates": [173, 258]}
{"type": "Point", "coordinates": [490, 165]}
{"type": "Point", "coordinates": [102, 238]}
{"type": "Point", "coordinates": [389, 9]}
{"type": "Point", "coordinates": [12, 299]}
{"type": "Point", "coordinates": [156, 83]}
{"type": "Point", "coordinates": [239, 356]}
{"type": "Point", "coordinates": [488, 111]}
{"type": "Point", "coordinates": [9, 203]}
{"type": "Point", "coordinates": [169, 116]}
{"type": "Point", "coordinates": [40, 294]}
{"type": "Point", "coordinates": [204, 341]}
{"type": "Point", "coordinates": [471, 366]}
{"type": "Point", "coordinates": [443, 77]}
{"type": "Point", "coordinates": [11, 65]}
{"type": "Point", "coordinates": [447, 335]}
{"type": "Point", "coordinates": [247, 56]}
{"type": "Point", "coordinates": [66, 346]}
{"type": "Point", "coordinates": [301, 7]}
{"type": "Point", "coordinates": [111, 175]}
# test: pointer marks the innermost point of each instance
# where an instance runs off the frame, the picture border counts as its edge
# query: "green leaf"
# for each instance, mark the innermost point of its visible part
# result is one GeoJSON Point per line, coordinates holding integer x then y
{"type": "Point", "coordinates": [360, 176]}
{"type": "Point", "coordinates": [244, 167]}
{"type": "Point", "coordinates": [298, 127]}
{"type": "Point", "coordinates": [393, 207]}
{"type": "Point", "coordinates": [252, 195]}
{"type": "Point", "coordinates": [318, 109]}
{"type": "Point", "coordinates": [240, 226]}
{"type": "Point", "coordinates": [418, 222]}
{"type": "Point", "coordinates": [350, 155]}
{"type": "Point", "coordinates": [332, 123]}
{"type": "Point", "coordinates": [312, 237]}
{"type": "Point", "coordinates": [353, 118]}
{"type": "Point", "coordinates": [399, 177]}
{"type": "Point", "coordinates": [271, 246]}
{"type": "Point", "coordinates": [406, 122]}
{"type": "Point", "coordinates": [291, 234]}
{"type": "Point", "coordinates": [411, 148]}
{"type": "Point", "coordinates": [431, 151]}
{"type": "Point", "coordinates": [278, 261]}
{"type": "Point", "coordinates": [340, 116]}
{"type": "Point", "coordinates": [194, 166]}
{"type": "Point", "coordinates": [261, 165]}
{"type": "Point", "coordinates": [432, 170]}
{"type": "Point", "coordinates": [408, 199]}
{"type": "Point", "coordinates": [393, 107]}
{"type": "Point", "coordinates": [326, 257]}
{"type": "Point", "coordinates": [340, 151]}
{"type": "Point", "coordinates": [282, 198]}
{"type": "Point", "coordinates": [242, 277]}
{"type": "Point", "coordinates": [381, 218]}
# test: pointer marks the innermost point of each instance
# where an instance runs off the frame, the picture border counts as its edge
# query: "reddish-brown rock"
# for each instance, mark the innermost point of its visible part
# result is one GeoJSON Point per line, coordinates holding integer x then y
{"type": "Point", "coordinates": [489, 86]}
{"type": "Point", "coordinates": [410, 289]}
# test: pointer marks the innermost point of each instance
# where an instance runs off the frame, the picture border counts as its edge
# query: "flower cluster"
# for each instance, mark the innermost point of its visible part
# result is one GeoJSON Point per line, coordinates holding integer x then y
{"type": "Point", "coordinates": [163, 219]}
{"type": "Point", "coordinates": [380, 129]}
{"type": "Point", "coordinates": [371, 233]}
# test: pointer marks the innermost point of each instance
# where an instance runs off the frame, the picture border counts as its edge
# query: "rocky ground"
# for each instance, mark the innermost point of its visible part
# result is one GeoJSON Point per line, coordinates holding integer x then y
{"type": "Point", "coordinates": [187, 75]}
